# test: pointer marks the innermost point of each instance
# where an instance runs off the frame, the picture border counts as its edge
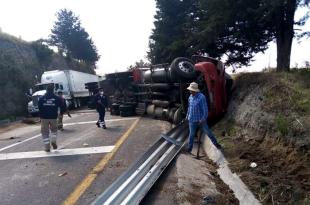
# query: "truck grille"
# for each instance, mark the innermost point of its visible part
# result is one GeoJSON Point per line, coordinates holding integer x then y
{"type": "Point", "coordinates": [35, 100]}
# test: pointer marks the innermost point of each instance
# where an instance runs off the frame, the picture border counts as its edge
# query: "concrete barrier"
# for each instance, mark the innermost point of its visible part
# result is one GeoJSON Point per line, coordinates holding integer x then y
{"type": "Point", "coordinates": [241, 191]}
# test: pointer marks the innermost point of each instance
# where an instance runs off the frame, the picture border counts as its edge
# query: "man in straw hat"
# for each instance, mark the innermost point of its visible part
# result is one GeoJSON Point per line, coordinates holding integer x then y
{"type": "Point", "coordinates": [197, 115]}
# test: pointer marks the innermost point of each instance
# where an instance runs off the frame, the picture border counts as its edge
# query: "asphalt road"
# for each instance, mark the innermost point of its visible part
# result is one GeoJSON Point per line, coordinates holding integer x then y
{"type": "Point", "coordinates": [30, 176]}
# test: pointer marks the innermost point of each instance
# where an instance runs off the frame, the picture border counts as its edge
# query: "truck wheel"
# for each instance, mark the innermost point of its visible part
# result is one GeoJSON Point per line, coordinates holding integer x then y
{"type": "Point", "coordinates": [78, 103]}
{"type": "Point", "coordinates": [183, 67]}
{"type": "Point", "coordinates": [74, 104]}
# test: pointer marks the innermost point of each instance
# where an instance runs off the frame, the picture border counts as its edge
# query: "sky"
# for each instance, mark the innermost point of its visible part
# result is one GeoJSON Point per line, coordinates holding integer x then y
{"type": "Point", "coordinates": [120, 29]}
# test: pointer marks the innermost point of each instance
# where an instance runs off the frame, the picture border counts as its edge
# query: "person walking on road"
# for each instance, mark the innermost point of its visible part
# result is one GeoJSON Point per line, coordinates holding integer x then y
{"type": "Point", "coordinates": [48, 109]}
{"type": "Point", "coordinates": [60, 125]}
{"type": "Point", "coordinates": [197, 115]}
{"type": "Point", "coordinates": [101, 104]}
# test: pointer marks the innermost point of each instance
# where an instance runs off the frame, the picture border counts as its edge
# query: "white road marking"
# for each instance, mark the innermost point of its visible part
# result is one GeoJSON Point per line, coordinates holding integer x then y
{"type": "Point", "coordinates": [17, 143]}
{"type": "Point", "coordinates": [56, 153]}
{"type": "Point", "coordinates": [90, 122]}
{"type": "Point", "coordinates": [66, 124]}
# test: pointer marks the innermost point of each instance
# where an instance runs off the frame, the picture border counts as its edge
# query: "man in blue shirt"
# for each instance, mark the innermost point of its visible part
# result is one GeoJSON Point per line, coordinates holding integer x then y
{"type": "Point", "coordinates": [48, 108]}
{"type": "Point", "coordinates": [197, 115]}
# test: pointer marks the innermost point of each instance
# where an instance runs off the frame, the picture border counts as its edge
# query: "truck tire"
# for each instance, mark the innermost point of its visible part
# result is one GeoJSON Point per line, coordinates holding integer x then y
{"type": "Point", "coordinates": [73, 104]}
{"type": "Point", "coordinates": [126, 110]}
{"type": "Point", "coordinates": [183, 67]}
{"type": "Point", "coordinates": [115, 109]}
{"type": "Point", "coordinates": [78, 102]}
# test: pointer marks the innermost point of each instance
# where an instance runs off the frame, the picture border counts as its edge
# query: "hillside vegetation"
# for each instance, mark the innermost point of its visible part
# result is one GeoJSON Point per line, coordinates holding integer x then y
{"type": "Point", "coordinates": [268, 123]}
{"type": "Point", "coordinates": [20, 62]}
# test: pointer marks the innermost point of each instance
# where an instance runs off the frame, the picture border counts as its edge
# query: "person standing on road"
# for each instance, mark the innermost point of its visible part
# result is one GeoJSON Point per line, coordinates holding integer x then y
{"type": "Point", "coordinates": [197, 115]}
{"type": "Point", "coordinates": [48, 109]}
{"type": "Point", "coordinates": [101, 104]}
{"type": "Point", "coordinates": [61, 112]}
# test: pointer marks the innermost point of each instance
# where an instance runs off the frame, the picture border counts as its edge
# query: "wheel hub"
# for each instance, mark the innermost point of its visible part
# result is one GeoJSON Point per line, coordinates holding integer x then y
{"type": "Point", "coordinates": [185, 67]}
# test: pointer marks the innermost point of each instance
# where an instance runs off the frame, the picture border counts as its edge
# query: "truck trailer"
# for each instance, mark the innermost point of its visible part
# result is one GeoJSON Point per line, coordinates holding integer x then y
{"type": "Point", "coordinates": [160, 90]}
{"type": "Point", "coordinates": [70, 82]}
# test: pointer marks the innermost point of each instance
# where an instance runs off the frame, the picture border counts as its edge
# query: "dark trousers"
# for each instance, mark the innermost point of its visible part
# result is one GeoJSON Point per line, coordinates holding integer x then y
{"type": "Point", "coordinates": [101, 116]}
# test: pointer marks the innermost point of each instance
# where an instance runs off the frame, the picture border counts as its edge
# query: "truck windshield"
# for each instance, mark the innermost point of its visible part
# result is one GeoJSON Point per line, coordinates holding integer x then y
{"type": "Point", "coordinates": [42, 86]}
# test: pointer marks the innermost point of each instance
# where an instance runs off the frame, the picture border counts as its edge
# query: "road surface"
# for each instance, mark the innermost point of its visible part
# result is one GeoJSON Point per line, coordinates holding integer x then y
{"type": "Point", "coordinates": [87, 161]}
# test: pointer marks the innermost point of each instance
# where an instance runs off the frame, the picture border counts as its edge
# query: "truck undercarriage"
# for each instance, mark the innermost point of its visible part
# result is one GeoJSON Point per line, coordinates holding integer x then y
{"type": "Point", "coordinates": [160, 91]}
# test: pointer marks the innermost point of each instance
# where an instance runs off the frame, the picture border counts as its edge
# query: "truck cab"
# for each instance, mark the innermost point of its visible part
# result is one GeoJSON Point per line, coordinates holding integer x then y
{"type": "Point", "coordinates": [70, 82]}
{"type": "Point", "coordinates": [40, 90]}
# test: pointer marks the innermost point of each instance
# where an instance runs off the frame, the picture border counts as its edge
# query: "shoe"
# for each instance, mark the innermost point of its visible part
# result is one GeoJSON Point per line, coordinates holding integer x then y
{"type": "Point", "coordinates": [104, 127]}
{"type": "Point", "coordinates": [218, 146]}
{"type": "Point", "coordinates": [54, 145]}
{"type": "Point", "coordinates": [47, 148]}
{"type": "Point", "coordinates": [97, 123]}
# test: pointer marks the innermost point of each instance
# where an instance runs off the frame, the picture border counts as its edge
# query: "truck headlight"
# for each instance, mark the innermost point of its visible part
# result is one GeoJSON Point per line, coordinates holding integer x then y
{"type": "Point", "coordinates": [30, 104]}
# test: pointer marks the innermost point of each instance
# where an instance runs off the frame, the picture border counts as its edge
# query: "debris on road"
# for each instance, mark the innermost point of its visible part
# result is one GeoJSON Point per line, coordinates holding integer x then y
{"type": "Point", "coordinates": [62, 174]}
{"type": "Point", "coordinates": [253, 165]}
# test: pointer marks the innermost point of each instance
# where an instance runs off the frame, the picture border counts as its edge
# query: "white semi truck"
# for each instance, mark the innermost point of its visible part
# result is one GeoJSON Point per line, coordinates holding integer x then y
{"type": "Point", "coordinates": [70, 82]}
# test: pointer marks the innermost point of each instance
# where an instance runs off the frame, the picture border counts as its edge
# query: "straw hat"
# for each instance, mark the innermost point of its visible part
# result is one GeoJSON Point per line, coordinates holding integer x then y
{"type": "Point", "coordinates": [193, 87]}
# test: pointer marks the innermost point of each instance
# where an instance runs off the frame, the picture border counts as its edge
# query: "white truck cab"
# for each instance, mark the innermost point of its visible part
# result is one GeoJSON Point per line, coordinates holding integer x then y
{"type": "Point", "coordinates": [71, 83]}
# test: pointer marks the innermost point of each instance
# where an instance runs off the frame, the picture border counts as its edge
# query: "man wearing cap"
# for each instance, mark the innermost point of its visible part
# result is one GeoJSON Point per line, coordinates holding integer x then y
{"type": "Point", "coordinates": [197, 115]}
{"type": "Point", "coordinates": [48, 108]}
{"type": "Point", "coordinates": [101, 104]}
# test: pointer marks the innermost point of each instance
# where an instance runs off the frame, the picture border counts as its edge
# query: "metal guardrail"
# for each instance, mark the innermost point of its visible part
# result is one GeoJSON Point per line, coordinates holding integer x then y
{"type": "Point", "coordinates": [133, 184]}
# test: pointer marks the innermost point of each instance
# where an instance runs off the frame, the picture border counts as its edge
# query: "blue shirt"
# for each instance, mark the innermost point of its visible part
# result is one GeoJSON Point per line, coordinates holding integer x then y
{"type": "Point", "coordinates": [197, 108]}
{"type": "Point", "coordinates": [48, 106]}
{"type": "Point", "coordinates": [101, 102]}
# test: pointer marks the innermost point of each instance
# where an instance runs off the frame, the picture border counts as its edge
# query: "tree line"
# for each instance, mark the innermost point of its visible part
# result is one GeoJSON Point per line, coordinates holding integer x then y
{"type": "Point", "coordinates": [71, 40]}
{"type": "Point", "coordinates": [235, 28]}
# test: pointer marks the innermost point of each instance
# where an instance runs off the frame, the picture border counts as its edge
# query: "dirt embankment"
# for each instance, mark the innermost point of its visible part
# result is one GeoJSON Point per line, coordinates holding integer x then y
{"type": "Point", "coordinates": [268, 123]}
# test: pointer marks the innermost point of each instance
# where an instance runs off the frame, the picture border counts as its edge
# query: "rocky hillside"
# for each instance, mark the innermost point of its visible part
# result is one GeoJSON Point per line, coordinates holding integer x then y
{"type": "Point", "coordinates": [20, 62]}
{"type": "Point", "coordinates": [268, 127]}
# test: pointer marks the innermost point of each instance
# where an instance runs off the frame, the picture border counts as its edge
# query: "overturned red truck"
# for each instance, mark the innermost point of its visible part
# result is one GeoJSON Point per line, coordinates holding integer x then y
{"type": "Point", "coordinates": [160, 90]}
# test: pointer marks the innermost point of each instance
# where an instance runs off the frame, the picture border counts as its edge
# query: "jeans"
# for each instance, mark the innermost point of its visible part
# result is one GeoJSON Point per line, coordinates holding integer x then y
{"type": "Point", "coordinates": [101, 117]}
{"type": "Point", "coordinates": [192, 132]}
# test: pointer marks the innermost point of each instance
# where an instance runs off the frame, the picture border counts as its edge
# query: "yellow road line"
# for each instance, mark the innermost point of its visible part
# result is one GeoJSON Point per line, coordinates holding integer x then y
{"type": "Point", "coordinates": [88, 180]}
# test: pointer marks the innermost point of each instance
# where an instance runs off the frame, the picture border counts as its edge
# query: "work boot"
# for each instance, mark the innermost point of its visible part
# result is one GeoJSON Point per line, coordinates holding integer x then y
{"type": "Point", "coordinates": [54, 145]}
{"type": "Point", "coordinates": [47, 148]}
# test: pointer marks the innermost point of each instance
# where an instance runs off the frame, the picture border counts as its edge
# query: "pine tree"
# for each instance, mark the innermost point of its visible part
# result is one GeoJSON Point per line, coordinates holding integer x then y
{"type": "Point", "coordinates": [71, 39]}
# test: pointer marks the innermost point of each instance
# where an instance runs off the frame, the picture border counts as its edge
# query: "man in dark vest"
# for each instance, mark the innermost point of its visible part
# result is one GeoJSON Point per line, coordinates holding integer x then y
{"type": "Point", "coordinates": [101, 104]}
{"type": "Point", "coordinates": [48, 109]}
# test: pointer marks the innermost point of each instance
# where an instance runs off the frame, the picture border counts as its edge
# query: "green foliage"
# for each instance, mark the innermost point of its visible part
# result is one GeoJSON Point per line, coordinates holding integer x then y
{"type": "Point", "coordinates": [171, 29]}
{"type": "Point", "coordinates": [238, 29]}
{"type": "Point", "coordinates": [70, 38]}
{"type": "Point", "coordinates": [282, 125]}
{"type": "Point", "coordinates": [43, 52]}
{"type": "Point", "coordinates": [139, 64]}
{"type": "Point", "coordinates": [13, 101]}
